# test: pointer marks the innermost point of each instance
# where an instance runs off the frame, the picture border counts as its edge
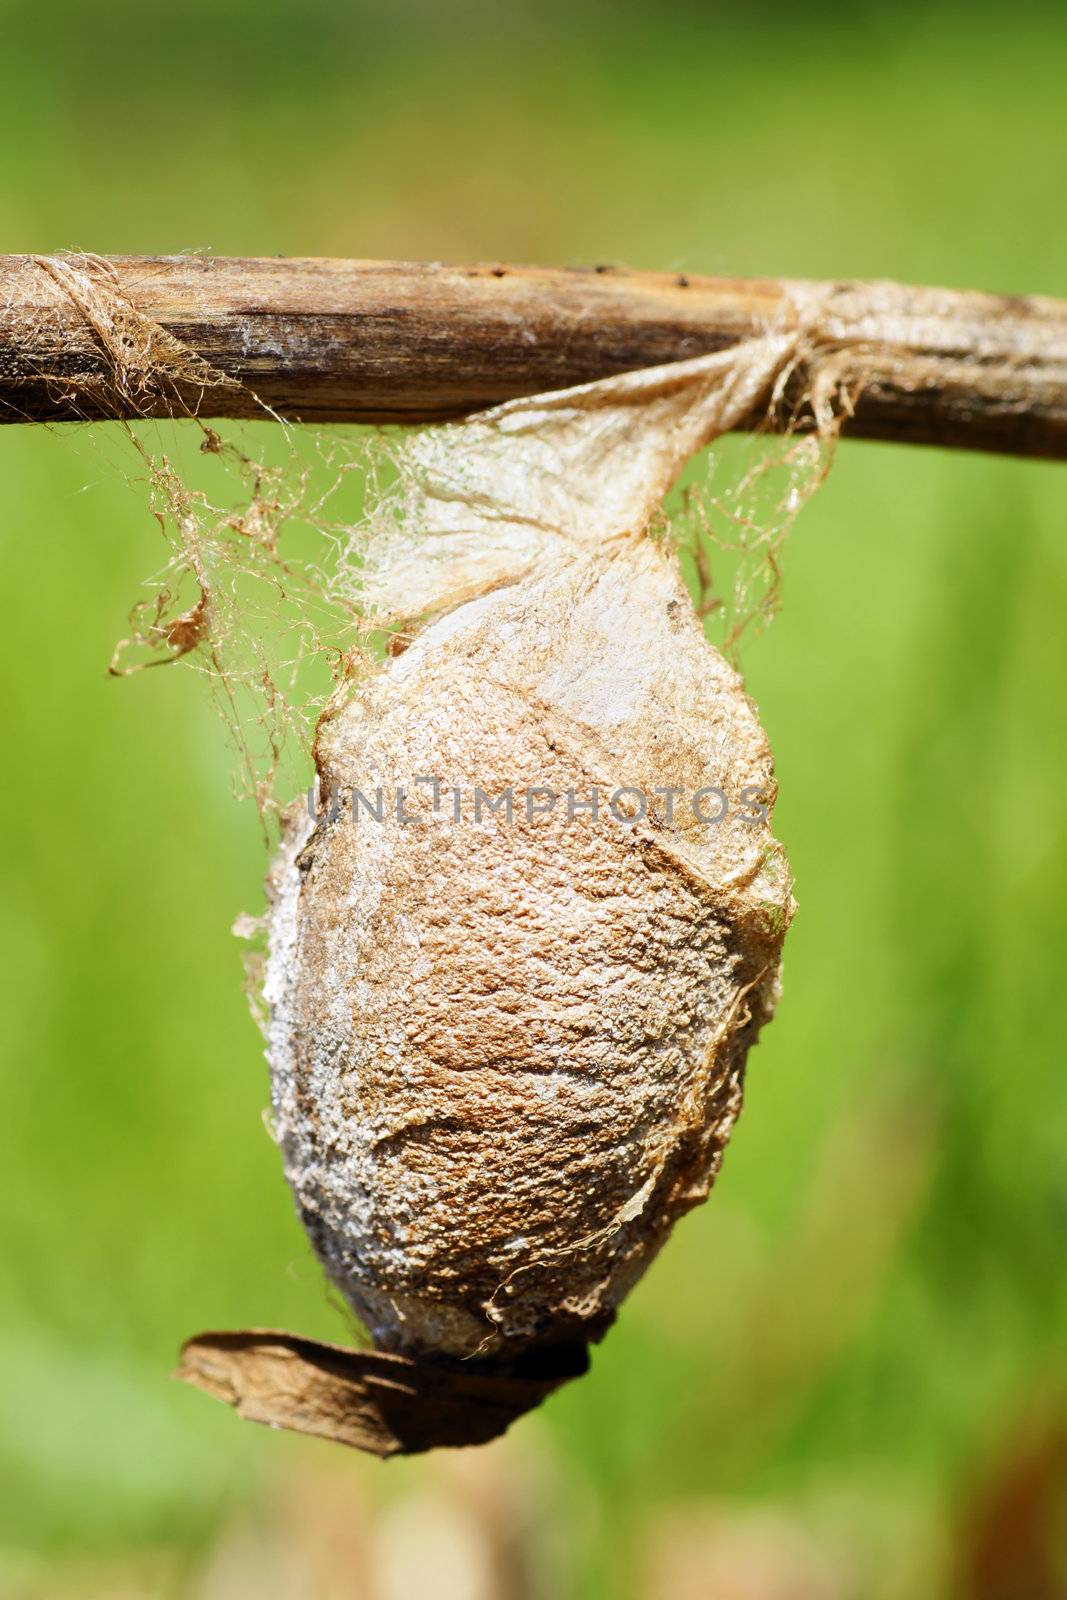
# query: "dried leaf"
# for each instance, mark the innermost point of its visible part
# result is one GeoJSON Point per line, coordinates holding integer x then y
{"type": "Point", "coordinates": [384, 1404]}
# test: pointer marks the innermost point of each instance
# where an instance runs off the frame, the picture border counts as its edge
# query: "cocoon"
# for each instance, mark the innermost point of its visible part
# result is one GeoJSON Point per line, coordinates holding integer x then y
{"type": "Point", "coordinates": [507, 1052]}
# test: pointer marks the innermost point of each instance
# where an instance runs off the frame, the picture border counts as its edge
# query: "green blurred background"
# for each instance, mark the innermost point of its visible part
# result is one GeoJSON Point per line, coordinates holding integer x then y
{"type": "Point", "coordinates": [844, 1377]}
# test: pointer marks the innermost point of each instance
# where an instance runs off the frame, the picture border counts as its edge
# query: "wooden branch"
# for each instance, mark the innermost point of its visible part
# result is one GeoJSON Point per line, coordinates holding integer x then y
{"type": "Point", "coordinates": [380, 341]}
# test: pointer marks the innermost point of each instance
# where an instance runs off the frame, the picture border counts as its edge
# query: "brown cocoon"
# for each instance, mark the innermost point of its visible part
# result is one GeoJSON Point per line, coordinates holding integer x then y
{"type": "Point", "coordinates": [507, 1054]}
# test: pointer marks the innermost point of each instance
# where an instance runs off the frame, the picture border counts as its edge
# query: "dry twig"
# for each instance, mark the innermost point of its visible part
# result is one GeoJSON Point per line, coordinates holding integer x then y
{"type": "Point", "coordinates": [381, 341]}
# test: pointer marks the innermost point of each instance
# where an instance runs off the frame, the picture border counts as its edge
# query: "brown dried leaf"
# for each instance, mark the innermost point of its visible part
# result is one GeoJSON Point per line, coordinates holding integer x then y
{"type": "Point", "coordinates": [384, 1404]}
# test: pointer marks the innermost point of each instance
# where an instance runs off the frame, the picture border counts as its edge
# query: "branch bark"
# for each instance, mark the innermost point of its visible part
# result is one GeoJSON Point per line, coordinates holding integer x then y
{"type": "Point", "coordinates": [381, 341]}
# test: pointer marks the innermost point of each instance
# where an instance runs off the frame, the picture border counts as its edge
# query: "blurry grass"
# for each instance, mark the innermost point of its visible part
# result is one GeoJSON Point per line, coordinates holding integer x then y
{"type": "Point", "coordinates": [860, 1361]}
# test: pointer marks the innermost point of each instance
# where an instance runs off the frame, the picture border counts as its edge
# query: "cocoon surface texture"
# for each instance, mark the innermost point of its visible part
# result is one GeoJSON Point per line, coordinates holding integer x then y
{"type": "Point", "coordinates": [507, 1053]}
